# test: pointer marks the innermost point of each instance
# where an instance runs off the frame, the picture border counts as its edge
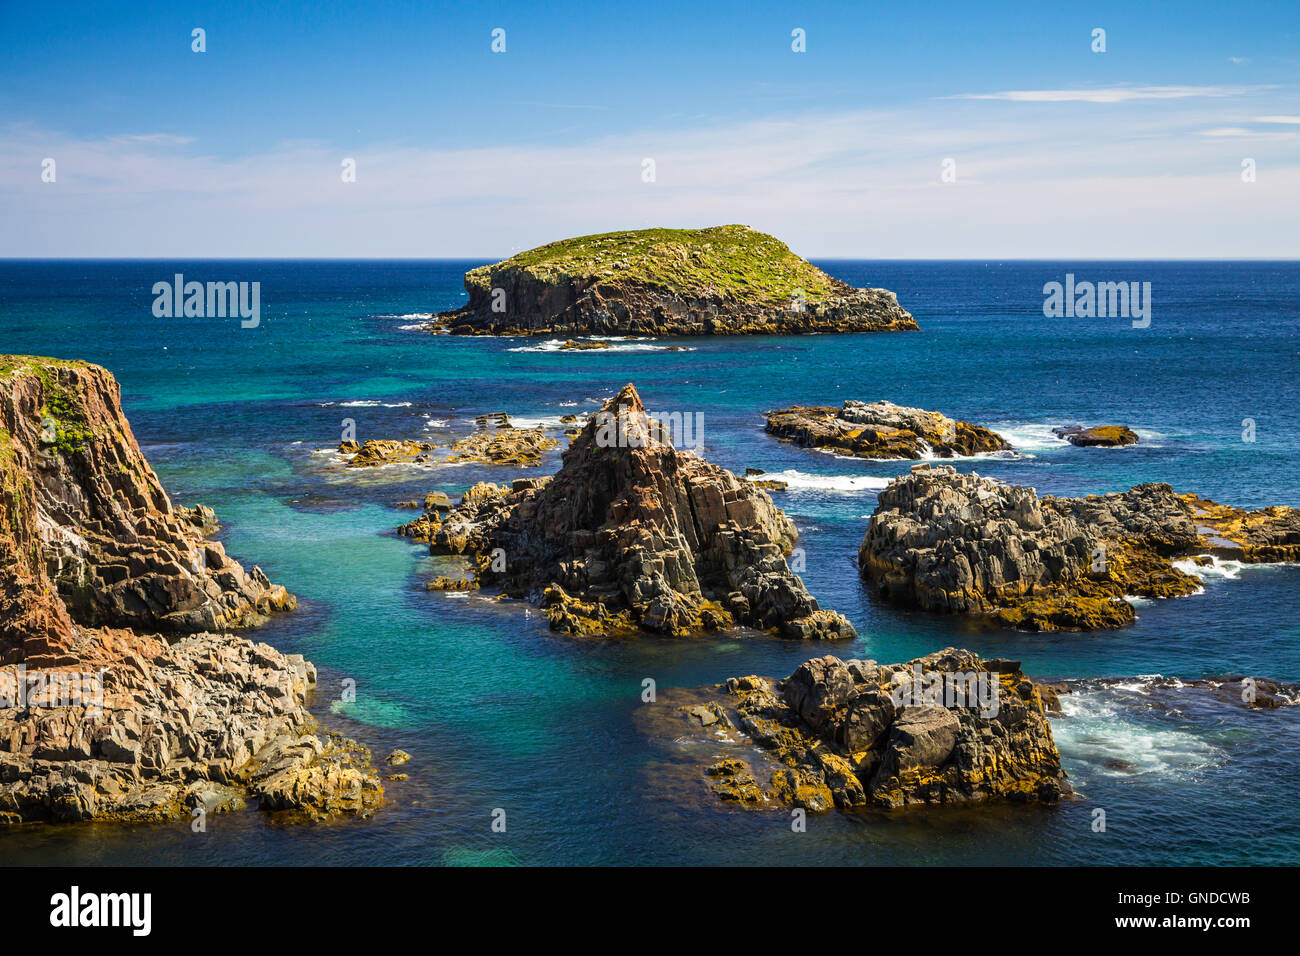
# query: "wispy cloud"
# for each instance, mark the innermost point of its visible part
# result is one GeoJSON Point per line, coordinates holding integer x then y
{"type": "Point", "coordinates": [859, 183]}
{"type": "Point", "coordinates": [559, 106]}
{"type": "Point", "coordinates": [1291, 120]}
{"type": "Point", "coordinates": [1111, 94]}
{"type": "Point", "coordinates": [156, 139]}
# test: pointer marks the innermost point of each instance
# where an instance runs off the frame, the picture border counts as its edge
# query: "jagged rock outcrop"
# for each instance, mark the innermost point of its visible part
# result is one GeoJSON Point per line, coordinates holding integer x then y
{"type": "Point", "coordinates": [965, 544]}
{"type": "Point", "coordinates": [111, 542]}
{"type": "Point", "coordinates": [1103, 436]}
{"type": "Point", "coordinates": [882, 430]}
{"type": "Point", "coordinates": [116, 700]}
{"type": "Point", "coordinates": [942, 729]}
{"type": "Point", "coordinates": [633, 533]}
{"type": "Point", "coordinates": [725, 280]}
{"type": "Point", "coordinates": [436, 504]}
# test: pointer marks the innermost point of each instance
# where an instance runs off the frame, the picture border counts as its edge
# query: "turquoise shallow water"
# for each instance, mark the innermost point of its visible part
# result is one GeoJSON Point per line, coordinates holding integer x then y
{"type": "Point", "coordinates": [498, 712]}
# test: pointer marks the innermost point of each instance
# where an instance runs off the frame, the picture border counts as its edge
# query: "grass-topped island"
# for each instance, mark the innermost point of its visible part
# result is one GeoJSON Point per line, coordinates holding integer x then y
{"type": "Point", "coordinates": [723, 280]}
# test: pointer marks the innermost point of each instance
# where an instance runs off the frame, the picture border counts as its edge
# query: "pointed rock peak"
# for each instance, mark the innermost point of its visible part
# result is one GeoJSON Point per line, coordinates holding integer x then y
{"type": "Point", "coordinates": [628, 398]}
{"type": "Point", "coordinates": [622, 423]}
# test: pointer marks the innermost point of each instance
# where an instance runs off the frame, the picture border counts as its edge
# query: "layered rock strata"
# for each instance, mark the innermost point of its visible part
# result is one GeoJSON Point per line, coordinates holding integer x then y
{"type": "Point", "coordinates": [965, 544]}
{"type": "Point", "coordinates": [634, 534]}
{"type": "Point", "coordinates": [117, 699]}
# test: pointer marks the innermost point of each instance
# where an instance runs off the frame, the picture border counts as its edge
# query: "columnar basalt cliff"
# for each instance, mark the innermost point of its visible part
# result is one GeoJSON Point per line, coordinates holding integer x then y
{"type": "Point", "coordinates": [964, 544]}
{"type": "Point", "coordinates": [725, 280]}
{"type": "Point", "coordinates": [633, 533]}
{"type": "Point", "coordinates": [882, 430]}
{"type": "Point", "coordinates": [942, 729]}
{"type": "Point", "coordinates": [109, 590]}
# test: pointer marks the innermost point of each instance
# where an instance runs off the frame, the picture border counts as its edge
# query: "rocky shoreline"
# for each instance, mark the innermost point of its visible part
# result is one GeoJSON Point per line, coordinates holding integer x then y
{"type": "Point", "coordinates": [110, 591]}
{"type": "Point", "coordinates": [725, 280]}
{"type": "Point", "coordinates": [123, 696]}
{"type": "Point", "coordinates": [632, 535]}
{"type": "Point", "coordinates": [947, 728]}
{"type": "Point", "coordinates": [882, 430]}
{"type": "Point", "coordinates": [964, 544]}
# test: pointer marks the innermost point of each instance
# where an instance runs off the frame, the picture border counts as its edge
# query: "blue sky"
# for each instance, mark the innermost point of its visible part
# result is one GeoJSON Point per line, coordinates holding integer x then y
{"type": "Point", "coordinates": [1057, 150]}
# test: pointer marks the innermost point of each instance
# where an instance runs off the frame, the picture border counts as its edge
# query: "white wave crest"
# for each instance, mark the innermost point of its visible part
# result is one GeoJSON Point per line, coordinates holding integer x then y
{"type": "Point", "coordinates": [365, 403]}
{"type": "Point", "coordinates": [1112, 741]}
{"type": "Point", "coordinates": [802, 481]}
{"type": "Point", "coordinates": [624, 345]}
{"type": "Point", "coordinates": [1217, 569]}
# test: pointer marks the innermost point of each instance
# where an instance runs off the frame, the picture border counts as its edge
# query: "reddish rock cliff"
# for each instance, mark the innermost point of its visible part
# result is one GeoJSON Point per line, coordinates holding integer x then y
{"type": "Point", "coordinates": [116, 700]}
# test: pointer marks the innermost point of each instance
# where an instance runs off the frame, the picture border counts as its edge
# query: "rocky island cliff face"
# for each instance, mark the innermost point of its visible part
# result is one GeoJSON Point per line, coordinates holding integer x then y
{"type": "Point", "coordinates": [119, 696]}
{"type": "Point", "coordinates": [634, 534]}
{"type": "Point", "coordinates": [965, 544]}
{"type": "Point", "coordinates": [946, 728]}
{"type": "Point", "coordinates": [724, 280]}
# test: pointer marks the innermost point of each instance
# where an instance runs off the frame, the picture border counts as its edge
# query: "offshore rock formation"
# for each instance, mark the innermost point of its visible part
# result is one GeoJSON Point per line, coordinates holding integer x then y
{"type": "Point", "coordinates": [115, 699]}
{"type": "Point", "coordinates": [882, 430]}
{"type": "Point", "coordinates": [725, 280]}
{"type": "Point", "coordinates": [857, 733]}
{"type": "Point", "coordinates": [964, 544]}
{"type": "Point", "coordinates": [633, 534]}
{"type": "Point", "coordinates": [384, 451]}
{"type": "Point", "coordinates": [503, 446]}
{"type": "Point", "coordinates": [492, 446]}
{"type": "Point", "coordinates": [1104, 436]}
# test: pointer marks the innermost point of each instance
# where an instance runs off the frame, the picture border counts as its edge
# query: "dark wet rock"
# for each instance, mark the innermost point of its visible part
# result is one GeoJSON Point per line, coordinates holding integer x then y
{"type": "Point", "coordinates": [1105, 436]}
{"type": "Point", "coordinates": [1234, 690]}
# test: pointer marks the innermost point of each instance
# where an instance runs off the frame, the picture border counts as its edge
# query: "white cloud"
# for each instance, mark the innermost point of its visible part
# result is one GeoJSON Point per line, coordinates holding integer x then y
{"type": "Point", "coordinates": [865, 183]}
{"type": "Point", "coordinates": [1113, 94]}
{"type": "Point", "coordinates": [1225, 131]}
{"type": "Point", "coordinates": [157, 139]}
{"type": "Point", "coordinates": [1294, 120]}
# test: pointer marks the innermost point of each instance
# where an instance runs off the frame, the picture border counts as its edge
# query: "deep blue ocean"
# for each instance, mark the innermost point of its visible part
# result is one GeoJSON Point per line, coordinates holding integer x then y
{"type": "Point", "coordinates": [499, 712]}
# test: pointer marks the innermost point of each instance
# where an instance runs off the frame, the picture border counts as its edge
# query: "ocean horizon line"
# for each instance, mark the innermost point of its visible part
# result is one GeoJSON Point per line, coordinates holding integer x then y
{"type": "Point", "coordinates": [468, 258]}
